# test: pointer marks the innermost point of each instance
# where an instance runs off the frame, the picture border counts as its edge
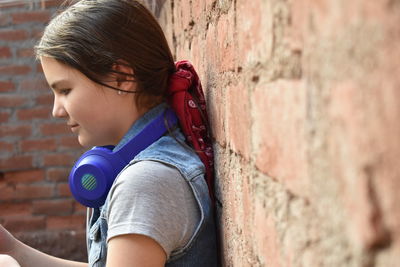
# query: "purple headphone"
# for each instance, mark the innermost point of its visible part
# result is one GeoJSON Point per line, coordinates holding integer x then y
{"type": "Point", "coordinates": [95, 171]}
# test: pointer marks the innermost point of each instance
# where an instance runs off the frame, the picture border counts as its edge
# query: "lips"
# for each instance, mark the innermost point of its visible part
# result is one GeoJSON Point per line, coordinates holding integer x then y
{"type": "Point", "coordinates": [73, 126]}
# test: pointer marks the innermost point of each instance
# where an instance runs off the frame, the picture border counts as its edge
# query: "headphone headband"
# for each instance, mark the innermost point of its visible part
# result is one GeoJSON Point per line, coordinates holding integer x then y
{"type": "Point", "coordinates": [95, 171]}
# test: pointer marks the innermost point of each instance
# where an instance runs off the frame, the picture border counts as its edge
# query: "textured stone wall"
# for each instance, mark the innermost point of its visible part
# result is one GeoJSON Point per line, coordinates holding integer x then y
{"type": "Point", "coordinates": [303, 97]}
{"type": "Point", "coordinates": [304, 103]}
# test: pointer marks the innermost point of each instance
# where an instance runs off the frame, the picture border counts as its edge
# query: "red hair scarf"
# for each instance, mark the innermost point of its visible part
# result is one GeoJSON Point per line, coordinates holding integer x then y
{"type": "Point", "coordinates": [185, 96]}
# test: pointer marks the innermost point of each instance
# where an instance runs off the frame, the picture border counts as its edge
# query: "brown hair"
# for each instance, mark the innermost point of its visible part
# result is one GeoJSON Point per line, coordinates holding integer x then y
{"type": "Point", "coordinates": [93, 35]}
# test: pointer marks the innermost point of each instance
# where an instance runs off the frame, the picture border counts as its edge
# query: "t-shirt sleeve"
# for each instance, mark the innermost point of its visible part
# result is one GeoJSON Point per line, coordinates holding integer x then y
{"type": "Point", "coordinates": [154, 200]}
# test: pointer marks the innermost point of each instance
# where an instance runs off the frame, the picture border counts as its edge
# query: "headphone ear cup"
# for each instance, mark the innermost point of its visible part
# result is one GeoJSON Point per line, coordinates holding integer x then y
{"type": "Point", "coordinates": [95, 171]}
{"type": "Point", "coordinates": [92, 177]}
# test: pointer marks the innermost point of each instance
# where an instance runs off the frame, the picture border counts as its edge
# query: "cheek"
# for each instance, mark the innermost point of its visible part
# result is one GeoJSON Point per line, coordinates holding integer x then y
{"type": "Point", "coordinates": [81, 109]}
{"type": "Point", "coordinates": [96, 120]}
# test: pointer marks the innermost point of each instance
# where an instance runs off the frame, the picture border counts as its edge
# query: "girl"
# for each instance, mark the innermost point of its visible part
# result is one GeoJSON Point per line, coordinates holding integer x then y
{"type": "Point", "coordinates": [113, 78]}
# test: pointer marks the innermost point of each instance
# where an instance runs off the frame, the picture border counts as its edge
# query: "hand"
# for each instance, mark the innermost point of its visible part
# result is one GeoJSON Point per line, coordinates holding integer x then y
{"type": "Point", "coordinates": [7, 241]}
{"type": "Point", "coordinates": [8, 261]}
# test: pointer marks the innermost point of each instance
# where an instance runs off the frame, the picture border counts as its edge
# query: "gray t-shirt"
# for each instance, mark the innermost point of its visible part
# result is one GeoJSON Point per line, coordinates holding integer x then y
{"type": "Point", "coordinates": [153, 199]}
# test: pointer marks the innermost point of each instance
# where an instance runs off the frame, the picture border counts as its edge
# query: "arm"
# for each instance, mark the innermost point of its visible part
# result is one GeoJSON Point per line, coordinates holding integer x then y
{"type": "Point", "coordinates": [134, 250]}
{"type": "Point", "coordinates": [7, 260]}
{"type": "Point", "coordinates": [27, 256]}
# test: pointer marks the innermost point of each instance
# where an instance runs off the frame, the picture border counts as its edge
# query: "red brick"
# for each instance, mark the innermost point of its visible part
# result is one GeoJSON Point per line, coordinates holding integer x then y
{"type": "Point", "coordinates": [7, 191]}
{"type": "Point", "coordinates": [24, 176]}
{"type": "Point", "coordinates": [217, 114]}
{"type": "Point", "coordinates": [185, 16]}
{"type": "Point", "coordinates": [53, 207]}
{"type": "Point", "coordinates": [15, 131]}
{"type": "Point", "coordinates": [74, 222]}
{"type": "Point", "coordinates": [5, 52]}
{"type": "Point", "coordinates": [79, 208]}
{"type": "Point", "coordinates": [33, 191]}
{"type": "Point", "coordinates": [58, 159]}
{"type": "Point", "coordinates": [5, 19]}
{"type": "Point", "coordinates": [364, 144]}
{"type": "Point", "coordinates": [46, 99]}
{"type": "Point", "coordinates": [226, 43]}
{"type": "Point", "coordinates": [198, 8]}
{"type": "Point", "coordinates": [39, 68]}
{"type": "Point", "coordinates": [63, 190]}
{"type": "Point", "coordinates": [279, 133]}
{"type": "Point", "coordinates": [30, 16]}
{"type": "Point", "coordinates": [196, 60]}
{"type": "Point", "coordinates": [4, 117]}
{"type": "Point", "coordinates": [14, 69]}
{"type": "Point", "coordinates": [34, 113]}
{"type": "Point", "coordinates": [34, 84]}
{"type": "Point", "coordinates": [54, 128]}
{"type": "Point", "coordinates": [239, 119]}
{"type": "Point", "coordinates": [247, 204]}
{"type": "Point", "coordinates": [38, 145]}
{"type": "Point", "coordinates": [266, 240]}
{"type": "Point", "coordinates": [6, 146]}
{"type": "Point", "coordinates": [13, 35]}
{"type": "Point", "coordinates": [300, 13]}
{"type": "Point", "coordinates": [8, 209]}
{"type": "Point", "coordinates": [51, 3]}
{"type": "Point", "coordinates": [6, 86]}
{"type": "Point", "coordinates": [57, 174]}
{"type": "Point", "coordinates": [25, 52]}
{"type": "Point", "coordinates": [24, 223]}
{"type": "Point", "coordinates": [177, 15]}
{"type": "Point", "coordinates": [16, 163]}
{"type": "Point", "coordinates": [211, 36]}
{"type": "Point", "coordinates": [37, 33]}
{"type": "Point", "coordinates": [13, 4]}
{"type": "Point", "coordinates": [13, 101]}
{"type": "Point", "coordinates": [70, 142]}
{"type": "Point", "coordinates": [254, 33]}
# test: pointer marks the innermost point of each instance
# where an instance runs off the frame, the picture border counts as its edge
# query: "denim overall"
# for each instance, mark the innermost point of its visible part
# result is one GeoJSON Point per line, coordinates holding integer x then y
{"type": "Point", "coordinates": [201, 250]}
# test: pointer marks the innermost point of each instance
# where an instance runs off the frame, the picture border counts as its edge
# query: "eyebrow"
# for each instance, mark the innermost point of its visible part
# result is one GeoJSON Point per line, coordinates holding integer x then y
{"type": "Point", "coordinates": [56, 84]}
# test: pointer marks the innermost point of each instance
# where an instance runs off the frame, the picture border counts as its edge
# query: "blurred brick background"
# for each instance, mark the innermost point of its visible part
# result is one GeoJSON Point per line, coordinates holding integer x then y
{"type": "Point", "coordinates": [37, 151]}
{"type": "Point", "coordinates": [303, 97]}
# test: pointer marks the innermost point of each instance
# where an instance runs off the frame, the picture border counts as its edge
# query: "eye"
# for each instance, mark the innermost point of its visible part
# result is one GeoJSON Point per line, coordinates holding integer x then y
{"type": "Point", "coordinates": [65, 91]}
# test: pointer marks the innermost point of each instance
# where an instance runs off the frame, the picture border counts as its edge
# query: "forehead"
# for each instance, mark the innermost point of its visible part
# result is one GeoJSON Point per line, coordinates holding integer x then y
{"type": "Point", "coordinates": [54, 71]}
{"type": "Point", "coordinates": [50, 64]}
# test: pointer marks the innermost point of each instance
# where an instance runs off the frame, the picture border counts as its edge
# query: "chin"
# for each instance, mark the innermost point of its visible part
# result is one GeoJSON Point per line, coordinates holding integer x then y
{"type": "Point", "coordinates": [88, 143]}
{"type": "Point", "coordinates": [85, 143]}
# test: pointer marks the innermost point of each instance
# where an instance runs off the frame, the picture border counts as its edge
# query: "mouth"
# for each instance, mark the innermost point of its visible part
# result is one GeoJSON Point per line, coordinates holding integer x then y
{"type": "Point", "coordinates": [73, 126]}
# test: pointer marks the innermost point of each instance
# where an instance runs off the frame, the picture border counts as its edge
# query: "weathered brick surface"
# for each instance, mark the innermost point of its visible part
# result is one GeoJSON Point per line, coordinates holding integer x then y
{"type": "Point", "coordinates": [52, 207]}
{"type": "Point", "coordinates": [304, 103]}
{"type": "Point", "coordinates": [6, 86]}
{"type": "Point", "coordinates": [303, 100]}
{"type": "Point", "coordinates": [37, 151]}
{"type": "Point", "coordinates": [281, 139]}
{"type": "Point", "coordinates": [24, 176]}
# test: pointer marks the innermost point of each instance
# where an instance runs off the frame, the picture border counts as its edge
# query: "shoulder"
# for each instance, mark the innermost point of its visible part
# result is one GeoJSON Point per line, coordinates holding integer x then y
{"type": "Point", "coordinates": [146, 179]}
{"type": "Point", "coordinates": [144, 174]}
{"type": "Point", "coordinates": [170, 150]}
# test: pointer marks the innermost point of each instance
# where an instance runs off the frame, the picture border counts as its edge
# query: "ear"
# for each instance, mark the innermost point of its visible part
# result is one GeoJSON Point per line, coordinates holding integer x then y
{"type": "Point", "coordinates": [124, 76]}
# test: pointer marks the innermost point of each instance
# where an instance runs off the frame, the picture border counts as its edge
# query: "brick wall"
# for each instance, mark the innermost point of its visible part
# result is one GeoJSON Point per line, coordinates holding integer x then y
{"type": "Point", "coordinates": [304, 103]}
{"type": "Point", "coordinates": [37, 151]}
{"type": "Point", "coordinates": [304, 108]}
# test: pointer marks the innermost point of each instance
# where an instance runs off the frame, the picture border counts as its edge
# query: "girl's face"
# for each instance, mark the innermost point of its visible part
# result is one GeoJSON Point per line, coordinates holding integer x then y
{"type": "Point", "coordinates": [97, 114]}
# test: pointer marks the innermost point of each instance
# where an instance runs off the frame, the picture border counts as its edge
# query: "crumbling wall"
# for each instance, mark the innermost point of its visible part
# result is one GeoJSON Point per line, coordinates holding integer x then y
{"type": "Point", "coordinates": [304, 103]}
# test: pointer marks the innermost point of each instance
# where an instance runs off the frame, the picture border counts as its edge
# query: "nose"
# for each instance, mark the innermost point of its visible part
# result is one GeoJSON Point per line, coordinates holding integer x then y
{"type": "Point", "coordinates": [58, 109]}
